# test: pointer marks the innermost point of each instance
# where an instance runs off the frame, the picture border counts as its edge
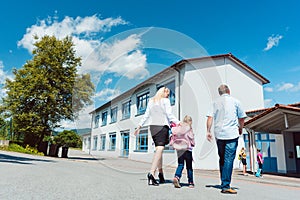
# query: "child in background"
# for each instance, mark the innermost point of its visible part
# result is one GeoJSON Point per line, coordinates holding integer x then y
{"type": "Point", "coordinates": [184, 150]}
{"type": "Point", "coordinates": [260, 162]}
{"type": "Point", "coordinates": [242, 158]}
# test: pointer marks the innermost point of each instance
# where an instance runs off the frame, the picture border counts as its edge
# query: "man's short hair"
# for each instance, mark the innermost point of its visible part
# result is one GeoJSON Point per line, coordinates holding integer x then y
{"type": "Point", "coordinates": [223, 89]}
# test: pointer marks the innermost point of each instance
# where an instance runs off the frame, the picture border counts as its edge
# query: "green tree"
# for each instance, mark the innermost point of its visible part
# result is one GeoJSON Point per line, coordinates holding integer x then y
{"type": "Point", "coordinates": [46, 90]}
{"type": "Point", "coordinates": [67, 139]}
{"type": "Point", "coordinates": [3, 128]}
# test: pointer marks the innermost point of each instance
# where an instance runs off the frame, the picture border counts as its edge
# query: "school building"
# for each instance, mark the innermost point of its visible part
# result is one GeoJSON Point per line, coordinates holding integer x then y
{"type": "Point", "coordinates": [193, 84]}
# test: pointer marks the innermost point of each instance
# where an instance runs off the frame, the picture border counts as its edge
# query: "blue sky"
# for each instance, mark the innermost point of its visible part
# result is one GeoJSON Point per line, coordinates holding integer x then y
{"type": "Point", "coordinates": [124, 42]}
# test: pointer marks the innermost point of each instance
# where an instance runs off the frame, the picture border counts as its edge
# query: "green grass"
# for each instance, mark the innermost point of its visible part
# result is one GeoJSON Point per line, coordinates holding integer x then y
{"type": "Point", "coordinates": [17, 148]}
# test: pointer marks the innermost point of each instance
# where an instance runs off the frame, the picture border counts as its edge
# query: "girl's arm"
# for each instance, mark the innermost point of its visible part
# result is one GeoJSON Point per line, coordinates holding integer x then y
{"type": "Point", "coordinates": [191, 137]}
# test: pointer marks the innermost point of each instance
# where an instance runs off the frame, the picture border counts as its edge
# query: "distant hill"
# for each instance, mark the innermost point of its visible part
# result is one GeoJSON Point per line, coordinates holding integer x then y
{"type": "Point", "coordinates": [82, 131]}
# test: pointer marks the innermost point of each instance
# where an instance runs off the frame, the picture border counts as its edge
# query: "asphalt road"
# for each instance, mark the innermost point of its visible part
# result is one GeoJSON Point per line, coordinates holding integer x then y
{"type": "Point", "coordinates": [81, 176]}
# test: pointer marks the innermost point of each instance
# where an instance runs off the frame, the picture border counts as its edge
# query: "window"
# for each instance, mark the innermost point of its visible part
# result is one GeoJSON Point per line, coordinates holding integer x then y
{"type": "Point", "coordinates": [95, 138]}
{"type": "Point", "coordinates": [113, 114]}
{"type": "Point", "coordinates": [142, 102]}
{"type": "Point", "coordinates": [102, 142]}
{"type": "Point", "coordinates": [104, 118]}
{"type": "Point", "coordinates": [126, 110]}
{"type": "Point", "coordinates": [171, 86]}
{"type": "Point", "coordinates": [96, 121]}
{"type": "Point", "coordinates": [112, 141]}
{"type": "Point", "coordinates": [142, 141]}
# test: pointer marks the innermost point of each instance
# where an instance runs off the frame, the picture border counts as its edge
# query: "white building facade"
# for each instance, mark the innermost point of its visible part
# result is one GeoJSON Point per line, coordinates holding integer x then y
{"type": "Point", "coordinates": [193, 84]}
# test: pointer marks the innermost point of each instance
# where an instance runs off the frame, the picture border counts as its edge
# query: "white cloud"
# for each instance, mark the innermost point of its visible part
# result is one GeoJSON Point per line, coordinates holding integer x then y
{"type": "Point", "coordinates": [120, 56]}
{"type": "Point", "coordinates": [268, 103]}
{"type": "Point", "coordinates": [268, 89]}
{"type": "Point", "coordinates": [107, 94]}
{"type": "Point", "coordinates": [295, 69]}
{"type": "Point", "coordinates": [273, 41]}
{"type": "Point", "coordinates": [3, 76]}
{"type": "Point", "coordinates": [296, 88]}
{"type": "Point", "coordinates": [83, 121]}
{"type": "Point", "coordinates": [288, 87]}
{"type": "Point", "coordinates": [285, 87]}
{"type": "Point", "coordinates": [108, 81]}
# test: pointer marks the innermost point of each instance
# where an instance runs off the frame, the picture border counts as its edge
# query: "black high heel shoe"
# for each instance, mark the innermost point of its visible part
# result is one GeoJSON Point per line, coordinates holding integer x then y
{"type": "Point", "coordinates": [153, 181]}
{"type": "Point", "coordinates": [161, 178]}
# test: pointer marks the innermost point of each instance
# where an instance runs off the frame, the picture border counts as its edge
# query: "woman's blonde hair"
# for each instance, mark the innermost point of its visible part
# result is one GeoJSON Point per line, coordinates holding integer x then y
{"type": "Point", "coordinates": [188, 119]}
{"type": "Point", "coordinates": [160, 94]}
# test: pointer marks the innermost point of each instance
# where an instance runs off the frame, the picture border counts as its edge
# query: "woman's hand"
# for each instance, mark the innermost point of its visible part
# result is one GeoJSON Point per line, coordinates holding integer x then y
{"type": "Point", "coordinates": [137, 130]}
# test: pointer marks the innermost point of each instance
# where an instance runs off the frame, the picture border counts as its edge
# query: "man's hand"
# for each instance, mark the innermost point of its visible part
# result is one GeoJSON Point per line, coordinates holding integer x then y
{"type": "Point", "coordinates": [209, 136]}
{"type": "Point", "coordinates": [240, 130]}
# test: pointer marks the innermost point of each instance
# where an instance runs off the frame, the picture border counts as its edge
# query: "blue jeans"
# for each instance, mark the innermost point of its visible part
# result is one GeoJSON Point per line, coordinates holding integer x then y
{"type": "Point", "coordinates": [227, 154]}
{"type": "Point", "coordinates": [185, 155]}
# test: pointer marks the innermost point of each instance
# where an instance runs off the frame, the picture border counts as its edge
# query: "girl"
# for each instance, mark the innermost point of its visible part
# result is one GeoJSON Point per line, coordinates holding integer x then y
{"type": "Point", "coordinates": [184, 153]}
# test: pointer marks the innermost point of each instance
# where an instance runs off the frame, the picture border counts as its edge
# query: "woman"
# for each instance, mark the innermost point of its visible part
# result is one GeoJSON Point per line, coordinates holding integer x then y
{"type": "Point", "coordinates": [159, 114]}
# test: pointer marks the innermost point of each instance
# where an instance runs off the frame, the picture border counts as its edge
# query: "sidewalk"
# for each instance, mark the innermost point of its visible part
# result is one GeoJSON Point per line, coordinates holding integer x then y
{"type": "Point", "coordinates": [131, 166]}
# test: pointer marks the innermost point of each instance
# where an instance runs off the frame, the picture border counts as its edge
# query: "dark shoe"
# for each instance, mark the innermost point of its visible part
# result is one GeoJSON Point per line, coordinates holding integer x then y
{"type": "Point", "coordinates": [161, 178]}
{"type": "Point", "coordinates": [229, 191]}
{"type": "Point", "coordinates": [152, 180]}
{"type": "Point", "coordinates": [191, 185]}
{"type": "Point", "coordinates": [176, 182]}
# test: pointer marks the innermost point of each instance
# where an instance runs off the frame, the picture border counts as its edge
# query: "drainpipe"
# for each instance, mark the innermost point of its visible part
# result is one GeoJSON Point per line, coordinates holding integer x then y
{"type": "Point", "coordinates": [179, 99]}
{"type": "Point", "coordinates": [90, 143]}
{"type": "Point", "coordinates": [252, 149]}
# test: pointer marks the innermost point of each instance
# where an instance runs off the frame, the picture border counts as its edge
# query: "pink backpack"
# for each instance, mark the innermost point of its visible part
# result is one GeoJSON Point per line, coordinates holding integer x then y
{"type": "Point", "coordinates": [182, 137]}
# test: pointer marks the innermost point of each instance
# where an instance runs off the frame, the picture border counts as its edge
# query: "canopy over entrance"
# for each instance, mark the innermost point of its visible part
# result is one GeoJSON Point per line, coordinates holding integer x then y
{"type": "Point", "coordinates": [276, 119]}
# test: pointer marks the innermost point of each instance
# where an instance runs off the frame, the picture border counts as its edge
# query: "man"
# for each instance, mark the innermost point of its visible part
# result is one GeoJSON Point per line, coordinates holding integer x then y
{"type": "Point", "coordinates": [228, 117]}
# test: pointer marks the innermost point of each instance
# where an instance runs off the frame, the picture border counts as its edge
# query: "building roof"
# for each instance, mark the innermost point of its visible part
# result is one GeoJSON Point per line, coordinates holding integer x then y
{"type": "Point", "coordinates": [234, 59]}
{"type": "Point", "coordinates": [276, 119]}
{"type": "Point", "coordinates": [176, 66]}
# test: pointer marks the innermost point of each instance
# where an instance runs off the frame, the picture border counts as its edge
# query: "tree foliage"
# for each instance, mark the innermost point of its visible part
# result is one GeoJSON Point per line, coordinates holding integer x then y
{"type": "Point", "coordinates": [67, 139]}
{"type": "Point", "coordinates": [47, 89]}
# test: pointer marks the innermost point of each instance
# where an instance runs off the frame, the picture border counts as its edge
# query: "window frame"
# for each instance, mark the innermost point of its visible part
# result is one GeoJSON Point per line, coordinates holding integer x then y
{"type": "Point", "coordinates": [126, 109]}
{"type": "Point", "coordinates": [102, 142]}
{"type": "Point", "coordinates": [95, 142]}
{"type": "Point", "coordinates": [143, 136]}
{"type": "Point", "coordinates": [142, 99]}
{"type": "Point", "coordinates": [104, 119]}
{"type": "Point", "coordinates": [168, 84]}
{"type": "Point", "coordinates": [114, 114]}
{"type": "Point", "coordinates": [96, 120]}
{"type": "Point", "coordinates": [112, 141]}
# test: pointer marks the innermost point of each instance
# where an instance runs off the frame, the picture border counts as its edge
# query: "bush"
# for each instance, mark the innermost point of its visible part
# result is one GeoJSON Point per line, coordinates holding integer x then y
{"type": "Point", "coordinates": [17, 148]}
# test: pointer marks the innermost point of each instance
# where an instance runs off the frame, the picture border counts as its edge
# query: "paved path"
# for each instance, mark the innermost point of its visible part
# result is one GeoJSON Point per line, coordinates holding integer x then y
{"type": "Point", "coordinates": [81, 176]}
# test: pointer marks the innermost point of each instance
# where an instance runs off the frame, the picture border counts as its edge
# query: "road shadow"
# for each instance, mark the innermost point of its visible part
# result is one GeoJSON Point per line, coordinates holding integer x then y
{"type": "Point", "coordinates": [219, 187]}
{"type": "Point", "coordinates": [20, 160]}
{"type": "Point", "coordinates": [84, 158]}
{"type": "Point", "coordinates": [214, 186]}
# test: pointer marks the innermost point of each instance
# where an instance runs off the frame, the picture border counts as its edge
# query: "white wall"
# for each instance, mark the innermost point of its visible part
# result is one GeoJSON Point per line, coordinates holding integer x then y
{"type": "Point", "coordinates": [290, 164]}
{"type": "Point", "coordinates": [199, 89]}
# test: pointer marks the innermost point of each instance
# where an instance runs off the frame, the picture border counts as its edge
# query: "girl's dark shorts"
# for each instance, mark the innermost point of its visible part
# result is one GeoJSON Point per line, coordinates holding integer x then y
{"type": "Point", "coordinates": [244, 161]}
{"type": "Point", "coordinates": [160, 134]}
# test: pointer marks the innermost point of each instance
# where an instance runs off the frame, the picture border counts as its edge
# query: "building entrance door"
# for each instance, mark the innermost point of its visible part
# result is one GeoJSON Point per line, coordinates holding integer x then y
{"type": "Point", "coordinates": [125, 144]}
{"type": "Point", "coordinates": [297, 150]}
